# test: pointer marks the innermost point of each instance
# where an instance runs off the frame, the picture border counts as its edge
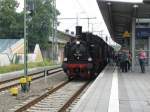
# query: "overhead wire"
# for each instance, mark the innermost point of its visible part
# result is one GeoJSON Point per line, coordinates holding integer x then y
{"type": "Point", "coordinates": [81, 7]}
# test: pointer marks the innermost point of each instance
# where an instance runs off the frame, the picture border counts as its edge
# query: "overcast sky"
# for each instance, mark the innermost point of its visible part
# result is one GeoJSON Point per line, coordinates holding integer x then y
{"type": "Point", "coordinates": [81, 9]}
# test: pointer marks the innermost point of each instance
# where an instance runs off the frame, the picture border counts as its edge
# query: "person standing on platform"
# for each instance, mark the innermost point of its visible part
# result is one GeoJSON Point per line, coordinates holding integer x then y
{"type": "Point", "coordinates": [142, 57]}
{"type": "Point", "coordinates": [124, 61]}
{"type": "Point", "coordinates": [116, 59]}
{"type": "Point", "coordinates": [119, 59]}
{"type": "Point", "coordinates": [129, 60]}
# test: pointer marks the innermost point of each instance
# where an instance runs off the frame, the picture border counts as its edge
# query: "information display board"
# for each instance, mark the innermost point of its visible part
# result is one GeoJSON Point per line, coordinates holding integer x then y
{"type": "Point", "coordinates": [143, 33]}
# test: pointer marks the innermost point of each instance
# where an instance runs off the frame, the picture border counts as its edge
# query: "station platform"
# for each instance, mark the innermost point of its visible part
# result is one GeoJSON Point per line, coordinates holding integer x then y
{"type": "Point", "coordinates": [114, 91]}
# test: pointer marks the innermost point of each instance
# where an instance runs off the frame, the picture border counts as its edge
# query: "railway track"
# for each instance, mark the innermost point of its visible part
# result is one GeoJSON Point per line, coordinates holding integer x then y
{"type": "Point", "coordinates": [57, 99]}
{"type": "Point", "coordinates": [4, 85]}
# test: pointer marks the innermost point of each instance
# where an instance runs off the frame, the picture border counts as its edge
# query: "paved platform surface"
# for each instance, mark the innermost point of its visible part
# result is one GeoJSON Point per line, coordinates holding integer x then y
{"type": "Point", "coordinates": [115, 91]}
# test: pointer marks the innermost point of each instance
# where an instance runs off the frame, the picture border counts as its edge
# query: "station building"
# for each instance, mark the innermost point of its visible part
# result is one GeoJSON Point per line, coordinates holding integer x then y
{"type": "Point", "coordinates": [130, 17]}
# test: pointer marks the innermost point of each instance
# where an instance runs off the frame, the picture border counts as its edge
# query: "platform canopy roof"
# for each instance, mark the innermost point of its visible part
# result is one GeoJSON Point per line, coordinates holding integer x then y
{"type": "Point", "coordinates": [118, 16]}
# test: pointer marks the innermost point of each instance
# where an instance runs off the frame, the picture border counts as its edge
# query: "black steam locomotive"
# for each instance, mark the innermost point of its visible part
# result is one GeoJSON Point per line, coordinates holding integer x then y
{"type": "Point", "coordinates": [85, 55]}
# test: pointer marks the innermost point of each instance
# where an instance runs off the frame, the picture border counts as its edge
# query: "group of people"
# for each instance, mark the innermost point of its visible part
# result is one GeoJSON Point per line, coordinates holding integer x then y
{"type": "Point", "coordinates": [124, 60]}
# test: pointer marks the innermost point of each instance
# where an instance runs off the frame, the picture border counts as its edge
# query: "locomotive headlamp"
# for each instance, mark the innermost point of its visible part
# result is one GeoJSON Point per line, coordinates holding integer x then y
{"type": "Point", "coordinates": [77, 42]}
{"type": "Point", "coordinates": [65, 59]}
{"type": "Point", "coordinates": [89, 59]}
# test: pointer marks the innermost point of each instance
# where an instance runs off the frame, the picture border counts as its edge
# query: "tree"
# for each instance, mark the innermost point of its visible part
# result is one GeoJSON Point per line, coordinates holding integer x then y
{"type": "Point", "coordinates": [40, 23]}
{"type": "Point", "coordinates": [10, 24]}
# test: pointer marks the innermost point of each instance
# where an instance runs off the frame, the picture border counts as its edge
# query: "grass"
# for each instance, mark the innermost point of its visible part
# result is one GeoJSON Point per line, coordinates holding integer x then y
{"type": "Point", "coordinates": [16, 67]}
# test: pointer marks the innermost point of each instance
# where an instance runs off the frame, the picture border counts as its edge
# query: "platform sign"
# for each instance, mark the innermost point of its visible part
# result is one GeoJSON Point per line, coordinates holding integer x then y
{"type": "Point", "coordinates": [142, 33]}
{"type": "Point", "coordinates": [126, 34]}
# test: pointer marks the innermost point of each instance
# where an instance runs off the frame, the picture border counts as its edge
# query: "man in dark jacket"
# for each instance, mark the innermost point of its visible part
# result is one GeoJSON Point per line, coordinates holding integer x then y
{"type": "Point", "coordinates": [124, 61]}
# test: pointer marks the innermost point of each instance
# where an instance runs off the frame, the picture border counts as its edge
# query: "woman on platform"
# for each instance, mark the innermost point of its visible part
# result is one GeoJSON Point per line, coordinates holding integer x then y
{"type": "Point", "coordinates": [142, 57]}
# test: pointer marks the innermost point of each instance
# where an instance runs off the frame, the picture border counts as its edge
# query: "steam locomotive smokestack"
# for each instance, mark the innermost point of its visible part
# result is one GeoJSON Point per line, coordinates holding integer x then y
{"type": "Point", "coordinates": [78, 31]}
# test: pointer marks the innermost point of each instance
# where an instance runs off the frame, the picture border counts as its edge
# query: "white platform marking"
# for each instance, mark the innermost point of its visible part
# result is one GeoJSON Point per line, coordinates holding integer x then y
{"type": "Point", "coordinates": [114, 101]}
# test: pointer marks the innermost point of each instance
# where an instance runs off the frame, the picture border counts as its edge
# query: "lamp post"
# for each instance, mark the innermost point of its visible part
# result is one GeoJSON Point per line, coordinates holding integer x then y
{"type": "Point", "coordinates": [54, 40]}
{"type": "Point", "coordinates": [25, 41]}
{"type": "Point", "coordinates": [24, 81]}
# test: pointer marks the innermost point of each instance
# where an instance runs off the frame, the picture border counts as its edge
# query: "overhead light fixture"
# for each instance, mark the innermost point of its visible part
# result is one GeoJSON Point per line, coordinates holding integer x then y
{"type": "Point", "coordinates": [109, 3]}
{"type": "Point", "coordinates": [135, 6]}
{"type": "Point", "coordinates": [128, 1]}
{"type": "Point", "coordinates": [146, 1]}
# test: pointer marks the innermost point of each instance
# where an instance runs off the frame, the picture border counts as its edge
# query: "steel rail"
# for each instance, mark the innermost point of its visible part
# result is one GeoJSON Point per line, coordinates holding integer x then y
{"type": "Point", "coordinates": [64, 107]}
{"type": "Point", "coordinates": [35, 73]}
{"type": "Point", "coordinates": [16, 84]}
{"type": "Point", "coordinates": [35, 101]}
{"type": "Point", "coordinates": [72, 99]}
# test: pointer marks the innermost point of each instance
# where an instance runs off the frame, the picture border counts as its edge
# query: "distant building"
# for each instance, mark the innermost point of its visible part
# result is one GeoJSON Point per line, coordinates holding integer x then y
{"type": "Point", "coordinates": [12, 51]}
